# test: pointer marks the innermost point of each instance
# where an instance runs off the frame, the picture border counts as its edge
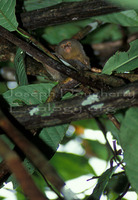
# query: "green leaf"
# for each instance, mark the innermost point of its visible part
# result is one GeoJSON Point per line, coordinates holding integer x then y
{"type": "Point", "coordinates": [102, 182]}
{"type": "Point", "coordinates": [125, 3]}
{"type": "Point", "coordinates": [30, 94]}
{"type": "Point", "coordinates": [19, 194]}
{"type": "Point", "coordinates": [87, 123]}
{"type": "Point", "coordinates": [98, 150]}
{"type": "Point", "coordinates": [39, 181]}
{"type": "Point", "coordinates": [123, 61]}
{"type": "Point", "coordinates": [53, 135]}
{"type": "Point", "coordinates": [124, 18]}
{"type": "Point", "coordinates": [7, 14]}
{"type": "Point", "coordinates": [71, 166]}
{"type": "Point", "coordinates": [129, 141]}
{"type": "Point", "coordinates": [20, 67]}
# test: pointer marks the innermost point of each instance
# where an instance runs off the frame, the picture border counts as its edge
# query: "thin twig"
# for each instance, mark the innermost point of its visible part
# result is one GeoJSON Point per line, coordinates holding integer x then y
{"type": "Point", "coordinates": [113, 119]}
{"type": "Point", "coordinates": [102, 128]}
{"type": "Point", "coordinates": [82, 33]}
{"type": "Point", "coordinates": [39, 45]}
{"type": "Point", "coordinates": [104, 133]}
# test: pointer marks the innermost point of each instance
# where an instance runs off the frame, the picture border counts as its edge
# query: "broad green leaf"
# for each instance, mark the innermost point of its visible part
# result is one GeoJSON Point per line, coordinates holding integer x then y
{"type": "Point", "coordinates": [7, 14]}
{"type": "Point", "coordinates": [129, 141]}
{"type": "Point", "coordinates": [53, 135]}
{"type": "Point", "coordinates": [126, 3]}
{"type": "Point", "coordinates": [71, 166]}
{"type": "Point", "coordinates": [124, 18]}
{"type": "Point", "coordinates": [30, 94]}
{"type": "Point", "coordinates": [98, 150]}
{"type": "Point", "coordinates": [20, 67]}
{"type": "Point", "coordinates": [87, 123]}
{"type": "Point", "coordinates": [102, 182]}
{"type": "Point", "coordinates": [123, 61]}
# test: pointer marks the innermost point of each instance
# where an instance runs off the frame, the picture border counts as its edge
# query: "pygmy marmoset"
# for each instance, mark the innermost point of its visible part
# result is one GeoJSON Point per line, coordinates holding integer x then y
{"type": "Point", "coordinates": [72, 51]}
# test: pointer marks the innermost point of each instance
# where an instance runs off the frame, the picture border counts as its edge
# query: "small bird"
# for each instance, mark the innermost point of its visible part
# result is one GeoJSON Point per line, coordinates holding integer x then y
{"type": "Point", "coordinates": [71, 51]}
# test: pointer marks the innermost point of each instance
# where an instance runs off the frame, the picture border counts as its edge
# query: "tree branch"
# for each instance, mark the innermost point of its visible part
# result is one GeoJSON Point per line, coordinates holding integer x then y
{"type": "Point", "coordinates": [66, 12]}
{"type": "Point", "coordinates": [31, 151]}
{"type": "Point", "coordinates": [14, 164]}
{"type": "Point", "coordinates": [86, 78]}
{"type": "Point", "coordinates": [82, 107]}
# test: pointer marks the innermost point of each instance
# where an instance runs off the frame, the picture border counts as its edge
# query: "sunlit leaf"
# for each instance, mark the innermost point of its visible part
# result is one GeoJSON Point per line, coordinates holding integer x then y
{"type": "Point", "coordinates": [71, 166]}
{"type": "Point", "coordinates": [95, 148]}
{"type": "Point", "coordinates": [19, 194]}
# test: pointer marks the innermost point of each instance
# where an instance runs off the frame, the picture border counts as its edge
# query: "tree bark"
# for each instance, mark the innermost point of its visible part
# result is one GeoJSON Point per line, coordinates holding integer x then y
{"type": "Point", "coordinates": [66, 12]}
{"type": "Point", "coordinates": [82, 107]}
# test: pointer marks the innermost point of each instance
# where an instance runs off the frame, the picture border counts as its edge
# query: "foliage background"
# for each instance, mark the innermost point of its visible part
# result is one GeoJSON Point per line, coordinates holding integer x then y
{"type": "Point", "coordinates": [71, 165]}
